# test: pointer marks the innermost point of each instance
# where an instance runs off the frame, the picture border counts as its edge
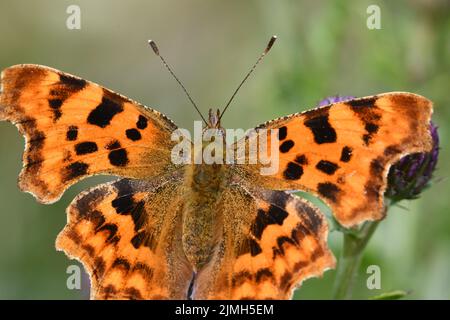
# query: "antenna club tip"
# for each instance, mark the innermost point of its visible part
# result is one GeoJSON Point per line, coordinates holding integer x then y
{"type": "Point", "coordinates": [154, 47]}
{"type": "Point", "coordinates": [270, 44]}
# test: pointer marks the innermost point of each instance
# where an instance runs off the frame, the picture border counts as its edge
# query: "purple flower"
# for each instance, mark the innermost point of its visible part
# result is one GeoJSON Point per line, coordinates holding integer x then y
{"type": "Point", "coordinates": [412, 174]}
{"type": "Point", "coordinates": [334, 99]}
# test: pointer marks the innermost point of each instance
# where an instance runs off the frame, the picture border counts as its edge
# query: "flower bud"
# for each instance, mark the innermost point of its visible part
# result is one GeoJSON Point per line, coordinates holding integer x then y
{"type": "Point", "coordinates": [412, 174]}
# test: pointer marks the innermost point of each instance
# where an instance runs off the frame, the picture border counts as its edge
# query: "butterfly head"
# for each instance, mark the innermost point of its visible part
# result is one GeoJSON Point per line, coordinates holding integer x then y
{"type": "Point", "coordinates": [214, 122]}
{"type": "Point", "coordinates": [214, 119]}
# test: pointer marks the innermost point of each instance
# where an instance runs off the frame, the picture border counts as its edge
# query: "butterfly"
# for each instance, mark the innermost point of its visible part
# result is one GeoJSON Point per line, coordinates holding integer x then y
{"type": "Point", "coordinates": [202, 231]}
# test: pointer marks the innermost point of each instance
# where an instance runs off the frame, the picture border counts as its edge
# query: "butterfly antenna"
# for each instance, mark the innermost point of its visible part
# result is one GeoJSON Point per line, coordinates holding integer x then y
{"type": "Point", "coordinates": [266, 50]}
{"type": "Point", "coordinates": [156, 51]}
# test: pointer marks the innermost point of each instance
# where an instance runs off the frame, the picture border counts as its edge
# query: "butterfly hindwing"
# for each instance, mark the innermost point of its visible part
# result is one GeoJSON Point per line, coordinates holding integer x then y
{"type": "Point", "coordinates": [75, 128]}
{"type": "Point", "coordinates": [127, 234]}
{"type": "Point", "coordinates": [342, 152]}
{"type": "Point", "coordinates": [271, 242]}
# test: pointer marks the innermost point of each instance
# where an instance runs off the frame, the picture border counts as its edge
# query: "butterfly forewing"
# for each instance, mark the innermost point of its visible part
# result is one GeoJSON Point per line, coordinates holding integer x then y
{"type": "Point", "coordinates": [75, 128]}
{"type": "Point", "coordinates": [342, 152]}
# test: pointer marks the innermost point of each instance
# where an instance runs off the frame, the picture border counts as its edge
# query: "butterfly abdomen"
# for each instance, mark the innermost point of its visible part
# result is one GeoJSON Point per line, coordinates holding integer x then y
{"type": "Point", "coordinates": [201, 220]}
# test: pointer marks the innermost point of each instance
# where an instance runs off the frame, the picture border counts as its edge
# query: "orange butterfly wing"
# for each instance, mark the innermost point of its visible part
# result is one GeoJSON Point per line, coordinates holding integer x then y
{"type": "Point", "coordinates": [127, 234]}
{"type": "Point", "coordinates": [342, 152]}
{"type": "Point", "coordinates": [271, 242]}
{"type": "Point", "coordinates": [75, 128]}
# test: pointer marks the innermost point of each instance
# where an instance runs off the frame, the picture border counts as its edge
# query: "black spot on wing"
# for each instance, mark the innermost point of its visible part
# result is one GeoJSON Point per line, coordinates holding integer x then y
{"type": "Point", "coordinates": [121, 263]}
{"type": "Point", "coordinates": [317, 253]}
{"type": "Point", "coordinates": [392, 150]}
{"type": "Point", "coordinates": [371, 129]}
{"type": "Point", "coordinates": [260, 223]}
{"type": "Point", "coordinates": [111, 228]}
{"type": "Point", "coordinates": [86, 147]}
{"type": "Point", "coordinates": [103, 114]}
{"type": "Point", "coordinates": [277, 214]}
{"type": "Point", "coordinates": [118, 157]}
{"type": "Point", "coordinates": [95, 217]}
{"type": "Point", "coordinates": [113, 145]}
{"type": "Point", "coordinates": [138, 215]}
{"type": "Point", "coordinates": [376, 167]}
{"type": "Point", "coordinates": [55, 105]}
{"type": "Point", "coordinates": [255, 249]}
{"type": "Point", "coordinates": [124, 202]}
{"type": "Point", "coordinates": [85, 204]}
{"type": "Point", "coordinates": [144, 269]}
{"type": "Point", "coordinates": [61, 91]}
{"type": "Point", "coordinates": [293, 171]}
{"type": "Point", "coordinates": [299, 265]}
{"type": "Point", "coordinates": [133, 294]}
{"type": "Point", "coordinates": [73, 83]}
{"type": "Point", "coordinates": [35, 144]}
{"type": "Point", "coordinates": [34, 156]}
{"type": "Point", "coordinates": [108, 291]}
{"type": "Point", "coordinates": [301, 159]}
{"type": "Point", "coordinates": [346, 154]}
{"type": "Point", "coordinates": [282, 133]}
{"type": "Point", "coordinates": [286, 146]}
{"type": "Point", "coordinates": [99, 267]}
{"type": "Point", "coordinates": [249, 245]}
{"type": "Point", "coordinates": [373, 191]}
{"type": "Point", "coordinates": [142, 122]}
{"type": "Point", "coordinates": [21, 79]}
{"type": "Point", "coordinates": [328, 190]}
{"type": "Point", "coordinates": [281, 241]}
{"type": "Point", "coordinates": [72, 133]}
{"type": "Point", "coordinates": [311, 218]}
{"type": "Point", "coordinates": [320, 127]}
{"type": "Point", "coordinates": [138, 239]}
{"type": "Point", "coordinates": [274, 215]}
{"type": "Point", "coordinates": [285, 280]}
{"type": "Point", "coordinates": [369, 114]}
{"type": "Point", "coordinates": [75, 237]}
{"type": "Point", "coordinates": [299, 232]}
{"type": "Point", "coordinates": [133, 134]}
{"type": "Point", "coordinates": [264, 274]}
{"type": "Point", "coordinates": [327, 167]}
{"type": "Point", "coordinates": [74, 170]}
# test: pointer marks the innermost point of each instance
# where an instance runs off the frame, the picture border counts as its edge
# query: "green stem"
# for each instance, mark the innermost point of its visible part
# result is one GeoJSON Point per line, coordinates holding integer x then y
{"type": "Point", "coordinates": [350, 260]}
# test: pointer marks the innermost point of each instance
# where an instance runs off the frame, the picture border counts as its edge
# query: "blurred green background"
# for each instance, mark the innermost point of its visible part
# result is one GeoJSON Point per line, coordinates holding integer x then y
{"type": "Point", "coordinates": [324, 48]}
